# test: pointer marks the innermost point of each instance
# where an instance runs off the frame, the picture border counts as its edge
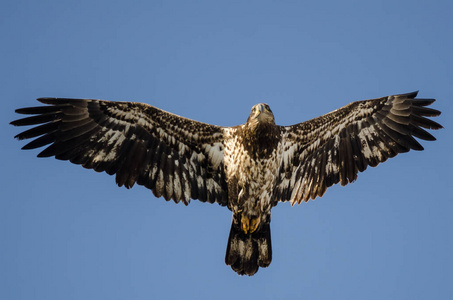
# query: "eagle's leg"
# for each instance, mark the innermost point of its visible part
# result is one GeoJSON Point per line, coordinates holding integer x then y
{"type": "Point", "coordinates": [254, 223]}
{"type": "Point", "coordinates": [245, 224]}
{"type": "Point", "coordinates": [249, 225]}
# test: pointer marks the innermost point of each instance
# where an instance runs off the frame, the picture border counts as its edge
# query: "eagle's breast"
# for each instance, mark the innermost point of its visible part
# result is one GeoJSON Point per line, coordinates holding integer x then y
{"type": "Point", "coordinates": [251, 164]}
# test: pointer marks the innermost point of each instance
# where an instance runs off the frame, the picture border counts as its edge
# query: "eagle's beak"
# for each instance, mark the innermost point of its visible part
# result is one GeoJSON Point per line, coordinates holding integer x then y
{"type": "Point", "coordinates": [260, 109]}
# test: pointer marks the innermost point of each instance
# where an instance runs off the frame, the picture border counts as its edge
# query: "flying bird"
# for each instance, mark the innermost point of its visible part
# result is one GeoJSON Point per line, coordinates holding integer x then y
{"type": "Point", "coordinates": [248, 168]}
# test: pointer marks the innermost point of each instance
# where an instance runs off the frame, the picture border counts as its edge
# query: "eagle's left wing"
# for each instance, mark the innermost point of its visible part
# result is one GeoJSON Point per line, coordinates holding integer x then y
{"type": "Point", "coordinates": [175, 157]}
{"type": "Point", "coordinates": [335, 147]}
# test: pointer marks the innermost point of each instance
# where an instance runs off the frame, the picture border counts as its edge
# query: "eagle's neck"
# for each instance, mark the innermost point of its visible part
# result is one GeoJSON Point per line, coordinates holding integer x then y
{"type": "Point", "coordinates": [260, 138]}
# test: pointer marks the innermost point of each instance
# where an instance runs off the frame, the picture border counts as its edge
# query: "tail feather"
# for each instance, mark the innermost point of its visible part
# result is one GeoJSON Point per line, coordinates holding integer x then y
{"type": "Point", "coordinates": [247, 252]}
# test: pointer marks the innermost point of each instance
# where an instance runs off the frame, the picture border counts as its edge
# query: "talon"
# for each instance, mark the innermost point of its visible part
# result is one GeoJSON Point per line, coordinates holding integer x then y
{"type": "Point", "coordinates": [254, 224]}
{"type": "Point", "coordinates": [249, 225]}
{"type": "Point", "coordinates": [245, 224]}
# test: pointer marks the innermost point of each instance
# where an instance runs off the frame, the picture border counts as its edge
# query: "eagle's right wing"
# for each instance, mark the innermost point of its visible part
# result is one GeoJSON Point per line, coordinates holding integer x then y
{"type": "Point", "coordinates": [175, 157]}
{"type": "Point", "coordinates": [335, 147]}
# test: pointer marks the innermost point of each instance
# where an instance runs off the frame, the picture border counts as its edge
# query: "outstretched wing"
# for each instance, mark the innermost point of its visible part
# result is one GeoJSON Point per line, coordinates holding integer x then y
{"type": "Point", "coordinates": [175, 157]}
{"type": "Point", "coordinates": [335, 147]}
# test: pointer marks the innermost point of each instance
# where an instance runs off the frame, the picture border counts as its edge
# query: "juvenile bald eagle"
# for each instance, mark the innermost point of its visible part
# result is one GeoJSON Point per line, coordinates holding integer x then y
{"type": "Point", "coordinates": [248, 168]}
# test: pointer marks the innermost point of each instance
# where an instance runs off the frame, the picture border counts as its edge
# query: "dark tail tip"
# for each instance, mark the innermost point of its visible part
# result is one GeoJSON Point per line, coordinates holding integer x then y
{"type": "Point", "coordinates": [247, 252]}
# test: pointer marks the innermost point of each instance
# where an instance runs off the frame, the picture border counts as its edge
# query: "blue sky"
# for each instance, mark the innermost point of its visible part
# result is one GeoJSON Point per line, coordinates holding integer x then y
{"type": "Point", "coordinates": [71, 233]}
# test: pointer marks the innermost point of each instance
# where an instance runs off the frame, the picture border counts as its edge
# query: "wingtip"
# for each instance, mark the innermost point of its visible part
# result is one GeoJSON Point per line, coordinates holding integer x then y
{"type": "Point", "coordinates": [437, 127]}
{"type": "Point", "coordinates": [47, 100]}
{"type": "Point", "coordinates": [22, 111]}
{"type": "Point", "coordinates": [410, 95]}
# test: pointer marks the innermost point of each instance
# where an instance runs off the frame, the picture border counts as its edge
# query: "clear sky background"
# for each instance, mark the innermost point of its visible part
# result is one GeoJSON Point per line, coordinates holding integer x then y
{"type": "Point", "coordinates": [71, 233]}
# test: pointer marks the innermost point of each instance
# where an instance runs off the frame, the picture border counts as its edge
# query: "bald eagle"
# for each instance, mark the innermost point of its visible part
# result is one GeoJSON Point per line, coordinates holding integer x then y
{"type": "Point", "coordinates": [248, 168]}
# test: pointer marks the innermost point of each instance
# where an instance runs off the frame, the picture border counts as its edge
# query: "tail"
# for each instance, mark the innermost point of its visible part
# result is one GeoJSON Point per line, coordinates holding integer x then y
{"type": "Point", "coordinates": [247, 252]}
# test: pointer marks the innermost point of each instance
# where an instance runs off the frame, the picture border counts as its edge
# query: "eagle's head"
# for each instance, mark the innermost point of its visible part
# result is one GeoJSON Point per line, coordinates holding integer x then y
{"type": "Point", "coordinates": [261, 114]}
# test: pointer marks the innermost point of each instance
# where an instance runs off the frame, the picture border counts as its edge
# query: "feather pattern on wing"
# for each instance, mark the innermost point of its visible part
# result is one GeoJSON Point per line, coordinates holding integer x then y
{"type": "Point", "coordinates": [333, 148]}
{"type": "Point", "coordinates": [175, 157]}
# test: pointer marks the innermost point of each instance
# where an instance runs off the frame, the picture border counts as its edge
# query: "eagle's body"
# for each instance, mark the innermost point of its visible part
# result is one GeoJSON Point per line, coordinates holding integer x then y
{"type": "Point", "coordinates": [248, 168]}
{"type": "Point", "coordinates": [252, 154]}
